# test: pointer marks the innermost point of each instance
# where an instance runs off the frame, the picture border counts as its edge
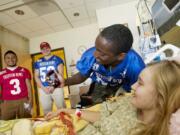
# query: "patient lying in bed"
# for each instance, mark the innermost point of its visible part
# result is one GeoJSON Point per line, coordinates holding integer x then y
{"type": "Point", "coordinates": [71, 124]}
{"type": "Point", "coordinates": [157, 90]}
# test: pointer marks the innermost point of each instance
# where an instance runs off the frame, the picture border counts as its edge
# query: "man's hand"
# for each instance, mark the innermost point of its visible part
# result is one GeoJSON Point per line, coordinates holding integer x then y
{"type": "Point", "coordinates": [30, 102]}
{"type": "Point", "coordinates": [51, 89]}
{"type": "Point", "coordinates": [61, 79]}
{"type": "Point", "coordinates": [47, 90]}
{"type": "Point", "coordinates": [28, 106]}
{"type": "Point", "coordinates": [51, 115]}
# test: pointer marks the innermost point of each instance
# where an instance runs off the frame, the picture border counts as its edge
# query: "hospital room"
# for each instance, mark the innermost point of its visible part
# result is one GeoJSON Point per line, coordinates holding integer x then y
{"type": "Point", "coordinates": [89, 67]}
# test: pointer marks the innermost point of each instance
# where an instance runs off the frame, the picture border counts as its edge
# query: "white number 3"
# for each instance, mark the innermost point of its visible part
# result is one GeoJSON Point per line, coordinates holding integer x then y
{"type": "Point", "coordinates": [15, 83]}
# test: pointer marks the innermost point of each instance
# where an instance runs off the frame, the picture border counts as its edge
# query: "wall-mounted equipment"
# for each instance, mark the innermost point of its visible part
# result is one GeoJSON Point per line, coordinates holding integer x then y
{"type": "Point", "coordinates": [165, 14]}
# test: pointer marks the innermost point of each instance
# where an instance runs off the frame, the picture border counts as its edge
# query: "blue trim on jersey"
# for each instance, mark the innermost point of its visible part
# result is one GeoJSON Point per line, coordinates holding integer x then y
{"type": "Point", "coordinates": [44, 65]}
{"type": "Point", "coordinates": [124, 74]}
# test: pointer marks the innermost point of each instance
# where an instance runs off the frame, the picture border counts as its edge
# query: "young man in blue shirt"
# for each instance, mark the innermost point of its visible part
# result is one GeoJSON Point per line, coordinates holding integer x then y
{"type": "Point", "coordinates": [111, 64]}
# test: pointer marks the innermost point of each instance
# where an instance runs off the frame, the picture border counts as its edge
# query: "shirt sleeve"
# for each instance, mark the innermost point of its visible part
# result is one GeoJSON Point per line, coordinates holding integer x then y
{"type": "Point", "coordinates": [35, 65]}
{"type": "Point", "coordinates": [84, 65]}
{"type": "Point", "coordinates": [59, 60]}
{"type": "Point", "coordinates": [28, 74]}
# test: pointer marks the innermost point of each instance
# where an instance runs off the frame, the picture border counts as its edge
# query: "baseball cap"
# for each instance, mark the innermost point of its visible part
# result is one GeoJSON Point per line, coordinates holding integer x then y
{"type": "Point", "coordinates": [44, 44]}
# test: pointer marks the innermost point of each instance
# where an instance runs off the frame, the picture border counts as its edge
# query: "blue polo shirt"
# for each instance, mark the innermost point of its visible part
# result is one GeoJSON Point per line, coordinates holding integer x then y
{"type": "Point", "coordinates": [124, 74]}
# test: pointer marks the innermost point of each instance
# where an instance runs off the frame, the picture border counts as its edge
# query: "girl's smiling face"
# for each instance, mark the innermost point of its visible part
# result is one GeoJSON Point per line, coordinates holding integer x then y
{"type": "Point", "coordinates": [145, 94]}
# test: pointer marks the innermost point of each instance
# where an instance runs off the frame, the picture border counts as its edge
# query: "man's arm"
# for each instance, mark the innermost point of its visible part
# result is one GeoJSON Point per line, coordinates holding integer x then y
{"type": "Point", "coordinates": [61, 69]}
{"type": "Point", "coordinates": [61, 73]}
{"type": "Point", "coordinates": [29, 88]}
{"type": "Point", "coordinates": [38, 81]}
{"type": "Point", "coordinates": [75, 79]}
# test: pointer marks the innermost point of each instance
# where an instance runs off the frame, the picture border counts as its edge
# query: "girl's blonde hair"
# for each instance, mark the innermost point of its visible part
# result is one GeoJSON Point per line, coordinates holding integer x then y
{"type": "Point", "coordinates": [166, 77]}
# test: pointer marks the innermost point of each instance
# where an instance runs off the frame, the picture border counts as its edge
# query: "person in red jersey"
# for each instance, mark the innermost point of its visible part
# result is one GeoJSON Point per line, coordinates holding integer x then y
{"type": "Point", "coordinates": [15, 89]}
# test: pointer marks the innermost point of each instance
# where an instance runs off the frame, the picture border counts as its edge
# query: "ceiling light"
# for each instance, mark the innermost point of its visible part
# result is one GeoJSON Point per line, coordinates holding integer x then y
{"type": "Point", "coordinates": [76, 14]}
{"type": "Point", "coordinates": [19, 12]}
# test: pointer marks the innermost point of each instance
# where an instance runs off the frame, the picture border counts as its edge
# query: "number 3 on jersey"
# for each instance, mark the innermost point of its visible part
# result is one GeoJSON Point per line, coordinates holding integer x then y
{"type": "Point", "coordinates": [15, 83]}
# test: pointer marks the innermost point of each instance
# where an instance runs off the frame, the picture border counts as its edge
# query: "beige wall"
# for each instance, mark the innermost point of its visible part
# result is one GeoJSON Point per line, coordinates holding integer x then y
{"type": "Point", "coordinates": [0, 35]}
{"type": "Point", "coordinates": [124, 14]}
{"type": "Point", "coordinates": [0, 46]}
{"type": "Point", "coordinates": [16, 43]}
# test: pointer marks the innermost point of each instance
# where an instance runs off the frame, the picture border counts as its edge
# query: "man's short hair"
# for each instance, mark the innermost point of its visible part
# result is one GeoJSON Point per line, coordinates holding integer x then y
{"type": "Point", "coordinates": [10, 52]}
{"type": "Point", "coordinates": [119, 36]}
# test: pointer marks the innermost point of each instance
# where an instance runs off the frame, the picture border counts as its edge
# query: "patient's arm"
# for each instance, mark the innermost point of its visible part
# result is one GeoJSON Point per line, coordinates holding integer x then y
{"type": "Point", "coordinates": [175, 123]}
{"type": "Point", "coordinates": [87, 115]}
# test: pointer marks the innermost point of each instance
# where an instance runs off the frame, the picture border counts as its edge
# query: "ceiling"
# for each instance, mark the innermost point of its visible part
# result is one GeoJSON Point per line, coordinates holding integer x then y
{"type": "Point", "coordinates": [43, 17]}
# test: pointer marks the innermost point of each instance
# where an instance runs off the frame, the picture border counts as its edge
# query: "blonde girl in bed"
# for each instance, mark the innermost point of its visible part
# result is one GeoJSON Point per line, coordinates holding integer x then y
{"type": "Point", "coordinates": [153, 108]}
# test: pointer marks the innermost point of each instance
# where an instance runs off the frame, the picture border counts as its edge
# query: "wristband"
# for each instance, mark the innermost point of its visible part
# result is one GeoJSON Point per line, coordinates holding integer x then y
{"type": "Point", "coordinates": [78, 113]}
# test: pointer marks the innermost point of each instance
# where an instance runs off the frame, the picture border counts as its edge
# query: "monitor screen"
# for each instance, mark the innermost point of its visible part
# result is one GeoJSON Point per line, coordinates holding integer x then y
{"type": "Point", "coordinates": [170, 4]}
{"type": "Point", "coordinates": [163, 10]}
{"type": "Point", "coordinates": [160, 13]}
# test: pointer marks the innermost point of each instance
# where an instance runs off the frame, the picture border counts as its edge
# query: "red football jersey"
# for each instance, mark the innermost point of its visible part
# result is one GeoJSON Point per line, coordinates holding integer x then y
{"type": "Point", "coordinates": [13, 83]}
